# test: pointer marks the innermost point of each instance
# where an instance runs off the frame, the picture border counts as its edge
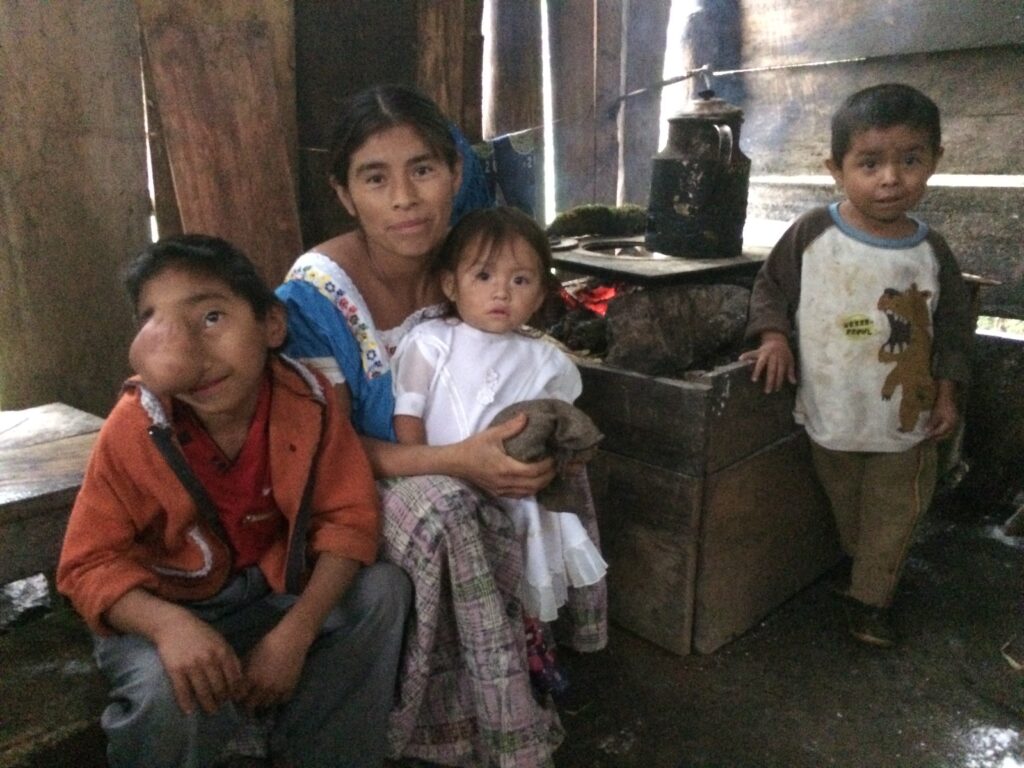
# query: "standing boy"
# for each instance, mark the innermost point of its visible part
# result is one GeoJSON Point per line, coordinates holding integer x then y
{"type": "Point", "coordinates": [222, 546]}
{"type": "Point", "coordinates": [876, 304]}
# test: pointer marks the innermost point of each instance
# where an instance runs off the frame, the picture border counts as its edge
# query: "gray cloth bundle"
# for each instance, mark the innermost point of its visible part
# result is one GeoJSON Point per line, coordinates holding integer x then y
{"type": "Point", "coordinates": [558, 429]}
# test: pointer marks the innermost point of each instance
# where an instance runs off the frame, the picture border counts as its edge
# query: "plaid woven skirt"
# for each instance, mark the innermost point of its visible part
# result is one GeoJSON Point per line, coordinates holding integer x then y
{"type": "Point", "coordinates": [464, 695]}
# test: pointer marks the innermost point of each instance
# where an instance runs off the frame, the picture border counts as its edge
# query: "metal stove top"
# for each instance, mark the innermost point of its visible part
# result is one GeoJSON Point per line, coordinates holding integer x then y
{"type": "Point", "coordinates": [625, 258]}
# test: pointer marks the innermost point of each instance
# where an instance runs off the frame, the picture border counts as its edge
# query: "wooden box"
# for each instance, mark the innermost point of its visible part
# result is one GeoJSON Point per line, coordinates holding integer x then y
{"type": "Point", "coordinates": [709, 510]}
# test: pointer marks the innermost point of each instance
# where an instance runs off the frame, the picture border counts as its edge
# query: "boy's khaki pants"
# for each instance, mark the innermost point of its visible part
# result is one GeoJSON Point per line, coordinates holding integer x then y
{"type": "Point", "coordinates": [877, 500]}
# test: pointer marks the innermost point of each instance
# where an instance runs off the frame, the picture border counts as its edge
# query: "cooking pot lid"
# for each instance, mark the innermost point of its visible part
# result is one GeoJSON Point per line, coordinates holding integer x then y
{"type": "Point", "coordinates": [708, 106]}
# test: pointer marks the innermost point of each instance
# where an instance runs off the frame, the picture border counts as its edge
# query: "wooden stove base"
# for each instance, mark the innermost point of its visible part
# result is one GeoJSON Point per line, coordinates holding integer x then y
{"type": "Point", "coordinates": [695, 562]}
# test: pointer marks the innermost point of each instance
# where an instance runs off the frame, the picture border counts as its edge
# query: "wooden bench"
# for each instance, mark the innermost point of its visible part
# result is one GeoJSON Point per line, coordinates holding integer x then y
{"type": "Point", "coordinates": [43, 454]}
{"type": "Point", "coordinates": [50, 692]}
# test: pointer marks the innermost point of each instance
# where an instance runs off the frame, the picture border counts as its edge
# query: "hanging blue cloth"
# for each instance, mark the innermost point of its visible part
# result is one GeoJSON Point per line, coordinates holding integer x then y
{"type": "Point", "coordinates": [474, 192]}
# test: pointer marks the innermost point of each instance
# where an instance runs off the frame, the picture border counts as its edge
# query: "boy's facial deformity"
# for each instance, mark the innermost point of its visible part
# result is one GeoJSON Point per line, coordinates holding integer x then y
{"type": "Point", "coordinates": [201, 343]}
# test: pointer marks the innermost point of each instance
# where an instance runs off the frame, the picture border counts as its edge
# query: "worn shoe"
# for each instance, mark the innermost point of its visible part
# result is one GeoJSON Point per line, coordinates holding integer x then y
{"type": "Point", "coordinates": [870, 624]}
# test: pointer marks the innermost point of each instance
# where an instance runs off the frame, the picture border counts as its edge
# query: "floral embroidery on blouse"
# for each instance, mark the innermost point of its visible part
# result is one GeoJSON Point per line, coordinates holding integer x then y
{"type": "Point", "coordinates": [375, 346]}
{"type": "Point", "coordinates": [374, 363]}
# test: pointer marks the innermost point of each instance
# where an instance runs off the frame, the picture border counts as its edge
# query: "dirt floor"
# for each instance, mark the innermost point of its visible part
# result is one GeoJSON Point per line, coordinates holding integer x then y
{"type": "Point", "coordinates": [797, 692]}
{"type": "Point", "coordinates": [794, 692]}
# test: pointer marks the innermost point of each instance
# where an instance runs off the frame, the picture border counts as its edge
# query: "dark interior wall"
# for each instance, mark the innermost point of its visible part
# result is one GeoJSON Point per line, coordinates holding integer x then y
{"type": "Point", "coordinates": [341, 47]}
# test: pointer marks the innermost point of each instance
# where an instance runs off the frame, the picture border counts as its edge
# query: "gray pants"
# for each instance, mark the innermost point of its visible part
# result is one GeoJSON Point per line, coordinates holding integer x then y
{"type": "Point", "coordinates": [337, 716]}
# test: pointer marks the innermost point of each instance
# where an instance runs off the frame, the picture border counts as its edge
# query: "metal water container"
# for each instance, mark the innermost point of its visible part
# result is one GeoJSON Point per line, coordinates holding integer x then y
{"type": "Point", "coordinates": [699, 183]}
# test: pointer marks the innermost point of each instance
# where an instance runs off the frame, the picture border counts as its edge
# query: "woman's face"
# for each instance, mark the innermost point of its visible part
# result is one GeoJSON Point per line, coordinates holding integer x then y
{"type": "Point", "coordinates": [400, 191]}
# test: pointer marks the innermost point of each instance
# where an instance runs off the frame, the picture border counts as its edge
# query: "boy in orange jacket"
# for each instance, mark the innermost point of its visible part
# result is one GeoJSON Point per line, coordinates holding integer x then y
{"type": "Point", "coordinates": [222, 546]}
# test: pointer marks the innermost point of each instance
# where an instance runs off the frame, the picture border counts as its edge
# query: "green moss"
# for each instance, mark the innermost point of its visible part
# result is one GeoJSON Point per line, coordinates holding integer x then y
{"type": "Point", "coordinates": [594, 219]}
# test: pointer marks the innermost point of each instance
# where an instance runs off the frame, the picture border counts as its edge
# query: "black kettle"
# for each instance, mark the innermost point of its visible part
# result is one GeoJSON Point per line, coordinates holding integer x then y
{"type": "Point", "coordinates": [699, 183]}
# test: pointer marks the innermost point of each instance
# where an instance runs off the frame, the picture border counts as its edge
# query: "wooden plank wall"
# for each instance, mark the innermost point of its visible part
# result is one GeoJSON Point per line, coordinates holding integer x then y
{"type": "Point", "coordinates": [806, 56]}
{"type": "Point", "coordinates": [586, 72]}
{"type": "Point", "coordinates": [232, 174]}
{"type": "Point", "coordinates": [73, 199]}
{"type": "Point", "coordinates": [515, 32]}
{"type": "Point", "coordinates": [967, 56]}
{"type": "Point", "coordinates": [278, 20]}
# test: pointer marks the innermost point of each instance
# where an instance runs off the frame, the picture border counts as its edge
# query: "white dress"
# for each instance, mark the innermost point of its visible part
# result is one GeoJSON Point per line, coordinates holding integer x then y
{"type": "Point", "coordinates": [457, 378]}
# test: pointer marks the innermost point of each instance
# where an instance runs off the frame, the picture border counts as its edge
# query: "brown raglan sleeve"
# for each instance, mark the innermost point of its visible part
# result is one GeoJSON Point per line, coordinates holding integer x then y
{"type": "Point", "coordinates": [776, 292]}
{"type": "Point", "coordinates": [953, 321]}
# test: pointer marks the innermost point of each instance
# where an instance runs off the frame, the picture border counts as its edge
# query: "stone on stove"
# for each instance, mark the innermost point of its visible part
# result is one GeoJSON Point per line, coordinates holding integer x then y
{"type": "Point", "coordinates": [667, 331]}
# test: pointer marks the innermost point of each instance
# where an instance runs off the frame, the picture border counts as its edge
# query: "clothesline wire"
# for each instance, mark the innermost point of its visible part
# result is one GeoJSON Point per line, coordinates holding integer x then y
{"type": "Point", "coordinates": [705, 71]}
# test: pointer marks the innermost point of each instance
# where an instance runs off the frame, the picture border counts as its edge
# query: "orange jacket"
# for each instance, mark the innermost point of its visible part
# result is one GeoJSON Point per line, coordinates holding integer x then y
{"type": "Point", "coordinates": [135, 525]}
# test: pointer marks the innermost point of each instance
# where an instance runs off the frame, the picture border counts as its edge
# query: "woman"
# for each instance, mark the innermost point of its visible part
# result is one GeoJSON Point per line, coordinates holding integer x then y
{"type": "Point", "coordinates": [464, 690]}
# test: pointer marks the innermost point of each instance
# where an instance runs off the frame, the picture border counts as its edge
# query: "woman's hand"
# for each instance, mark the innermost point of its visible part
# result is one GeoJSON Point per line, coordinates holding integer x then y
{"type": "Point", "coordinates": [483, 462]}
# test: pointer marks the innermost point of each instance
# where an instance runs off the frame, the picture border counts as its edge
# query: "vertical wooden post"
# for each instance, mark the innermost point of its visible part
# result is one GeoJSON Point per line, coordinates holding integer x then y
{"type": "Point", "coordinates": [644, 52]}
{"type": "Point", "coordinates": [73, 199]}
{"type": "Point", "coordinates": [607, 87]}
{"type": "Point", "coordinates": [572, 25]}
{"type": "Point", "coordinates": [515, 67]}
{"type": "Point", "coordinates": [448, 62]}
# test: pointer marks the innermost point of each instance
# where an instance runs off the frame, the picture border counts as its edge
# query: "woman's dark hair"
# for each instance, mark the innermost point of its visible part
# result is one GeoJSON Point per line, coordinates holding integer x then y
{"type": "Point", "coordinates": [388, 106]}
{"type": "Point", "coordinates": [487, 229]}
{"type": "Point", "coordinates": [883, 106]}
{"type": "Point", "coordinates": [201, 254]}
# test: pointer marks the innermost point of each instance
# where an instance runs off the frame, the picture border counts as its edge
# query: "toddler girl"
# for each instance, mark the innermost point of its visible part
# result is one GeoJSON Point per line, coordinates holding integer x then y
{"type": "Point", "coordinates": [453, 375]}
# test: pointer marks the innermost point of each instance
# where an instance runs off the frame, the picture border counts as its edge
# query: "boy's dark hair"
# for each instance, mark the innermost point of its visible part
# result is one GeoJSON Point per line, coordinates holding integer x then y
{"type": "Point", "coordinates": [883, 106]}
{"type": "Point", "coordinates": [382, 107]}
{"type": "Point", "coordinates": [488, 228]}
{"type": "Point", "coordinates": [205, 255]}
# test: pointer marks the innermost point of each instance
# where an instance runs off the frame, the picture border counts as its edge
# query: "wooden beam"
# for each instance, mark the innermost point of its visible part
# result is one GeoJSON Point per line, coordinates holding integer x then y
{"type": "Point", "coordinates": [228, 153]}
{"type": "Point", "coordinates": [644, 52]}
{"type": "Point", "coordinates": [515, 103]}
{"type": "Point", "coordinates": [799, 31]}
{"type": "Point", "coordinates": [572, 25]}
{"type": "Point", "coordinates": [607, 87]}
{"type": "Point", "coordinates": [73, 199]}
{"type": "Point", "coordinates": [449, 60]}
